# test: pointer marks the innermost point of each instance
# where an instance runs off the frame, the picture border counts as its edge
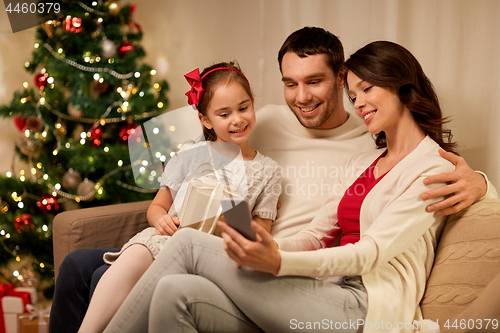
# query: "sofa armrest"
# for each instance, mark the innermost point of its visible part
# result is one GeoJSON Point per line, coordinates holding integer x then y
{"type": "Point", "coordinates": [106, 226]}
{"type": "Point", "coordinates": [467, 259]}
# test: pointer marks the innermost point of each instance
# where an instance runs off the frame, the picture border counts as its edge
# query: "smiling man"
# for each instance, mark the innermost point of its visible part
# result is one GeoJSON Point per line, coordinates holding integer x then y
{"type": "Point", "coordinates": [312, 91]}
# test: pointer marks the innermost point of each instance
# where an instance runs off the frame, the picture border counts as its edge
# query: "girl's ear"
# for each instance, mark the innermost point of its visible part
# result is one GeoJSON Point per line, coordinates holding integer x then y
{"type": "Point", "coordinates": [204, 121]}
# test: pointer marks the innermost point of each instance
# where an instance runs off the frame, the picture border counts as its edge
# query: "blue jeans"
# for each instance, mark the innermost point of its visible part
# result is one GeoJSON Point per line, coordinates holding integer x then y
{"type": "Point", "coordinates": [78, 275]}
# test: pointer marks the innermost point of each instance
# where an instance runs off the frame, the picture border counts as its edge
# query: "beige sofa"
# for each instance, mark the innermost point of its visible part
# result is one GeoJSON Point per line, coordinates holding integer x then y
{"type": "Point", "coordinates": [467, 258]}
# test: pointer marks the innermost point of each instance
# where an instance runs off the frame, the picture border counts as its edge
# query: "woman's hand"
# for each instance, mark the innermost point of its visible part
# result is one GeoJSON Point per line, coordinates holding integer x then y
{"type": "Point", "coordinates": [262, 255]}
{"type": "Point", "coordinates": [166, 225]}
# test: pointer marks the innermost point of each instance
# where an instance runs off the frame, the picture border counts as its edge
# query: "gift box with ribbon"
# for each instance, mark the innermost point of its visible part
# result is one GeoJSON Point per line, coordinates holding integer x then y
{"type": "Point", "coordinates": [35, 321]}
{"type": "Point", "coordinates": [13, 301]}
{"type": "Point", "coordinates": [201, 208]}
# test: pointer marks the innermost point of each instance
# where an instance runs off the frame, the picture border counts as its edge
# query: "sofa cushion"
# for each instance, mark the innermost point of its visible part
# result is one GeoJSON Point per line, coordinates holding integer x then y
{"type": "Point", "coordinates": [467, 259]}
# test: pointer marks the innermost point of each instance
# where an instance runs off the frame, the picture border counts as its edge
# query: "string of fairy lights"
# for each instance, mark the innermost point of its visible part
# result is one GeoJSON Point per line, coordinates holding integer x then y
{"type": "Point", "coordinates": [36, 171]}
{"type": "Point", "coordinates": [87, 68]}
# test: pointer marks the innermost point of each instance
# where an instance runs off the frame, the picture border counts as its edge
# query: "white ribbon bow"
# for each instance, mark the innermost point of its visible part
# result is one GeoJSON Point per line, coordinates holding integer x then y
{"type": "Point", "coordinates": [39, 313]}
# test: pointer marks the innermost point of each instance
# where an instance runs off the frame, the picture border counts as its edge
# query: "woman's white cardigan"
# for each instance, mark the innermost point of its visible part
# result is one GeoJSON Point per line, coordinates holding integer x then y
{"type": "Point", "coordinates": [398, 239]}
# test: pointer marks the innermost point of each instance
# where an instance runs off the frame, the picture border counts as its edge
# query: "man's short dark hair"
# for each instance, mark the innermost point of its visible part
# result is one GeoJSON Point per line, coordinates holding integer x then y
{"type": "Point", "coordinates": [313, 40]}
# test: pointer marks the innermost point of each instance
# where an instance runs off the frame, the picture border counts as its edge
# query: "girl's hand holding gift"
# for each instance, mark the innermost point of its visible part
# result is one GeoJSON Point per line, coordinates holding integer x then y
{"type": "Point", "coordinates": [167, 225]}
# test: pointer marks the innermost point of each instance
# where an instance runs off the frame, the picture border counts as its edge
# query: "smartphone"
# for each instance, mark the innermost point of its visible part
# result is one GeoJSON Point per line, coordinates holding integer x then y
{"type": "Point", "coordinates": [237, 215]}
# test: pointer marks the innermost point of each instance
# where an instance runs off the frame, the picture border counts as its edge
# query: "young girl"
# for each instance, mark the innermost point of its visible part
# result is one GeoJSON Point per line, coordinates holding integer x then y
{"type": "Point", "coordinates": [224, 101]}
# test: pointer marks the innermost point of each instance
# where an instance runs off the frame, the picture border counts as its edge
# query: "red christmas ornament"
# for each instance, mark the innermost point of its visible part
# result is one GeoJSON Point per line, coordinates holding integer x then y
{"type": "Point", "coordinates": [41, 80]}
{"type": "Point", "coordinates": [95, 136]}
{"type": "Point", "coordinates": [126, 131]}
{"type": "Point", "coordinates": [135, 136]}
{"type": "Point", "coordinates": [125, 48]}
{"type": "Point", "coordinates": [48, 203]}
{"type": "Point", "coordinates": [24, 222]}
{"type": "Point", "coordinates": [73, 24]}
{"type": "Point", "coordinates": [20, 123]}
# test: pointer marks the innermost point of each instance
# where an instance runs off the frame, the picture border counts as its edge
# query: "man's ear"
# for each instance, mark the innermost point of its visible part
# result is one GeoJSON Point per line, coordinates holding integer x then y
{"type": "Point", "coordinates": [341, 77]}
{"type": "Point", "coordinates": [204, 121]}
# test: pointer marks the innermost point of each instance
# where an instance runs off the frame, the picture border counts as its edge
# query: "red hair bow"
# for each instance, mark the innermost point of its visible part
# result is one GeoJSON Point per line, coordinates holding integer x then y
{"type": "Point", "coordinates": [194, 95]}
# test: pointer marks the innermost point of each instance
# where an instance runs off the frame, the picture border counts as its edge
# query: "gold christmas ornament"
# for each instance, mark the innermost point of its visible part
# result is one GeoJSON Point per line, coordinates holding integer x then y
{"type": "Point", "coordinates": [29, 144]}
{"type": "Point", "coordinates": [71, 179]}
{"type": "Point", "coordinates": [48, 26]}
{"type": "Point", "coordinates": [86, 190]}
{"type": "Point", "coordinates": [114, 9]}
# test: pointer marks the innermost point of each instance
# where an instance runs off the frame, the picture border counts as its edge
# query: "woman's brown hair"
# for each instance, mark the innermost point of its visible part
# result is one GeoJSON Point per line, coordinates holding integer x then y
{"type": "Point", "coordinates": [390, 65]}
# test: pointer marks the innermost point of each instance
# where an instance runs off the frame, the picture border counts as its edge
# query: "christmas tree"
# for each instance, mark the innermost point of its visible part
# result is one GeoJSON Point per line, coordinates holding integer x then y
{"type": "Point", "coordinates": [89, 94]}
